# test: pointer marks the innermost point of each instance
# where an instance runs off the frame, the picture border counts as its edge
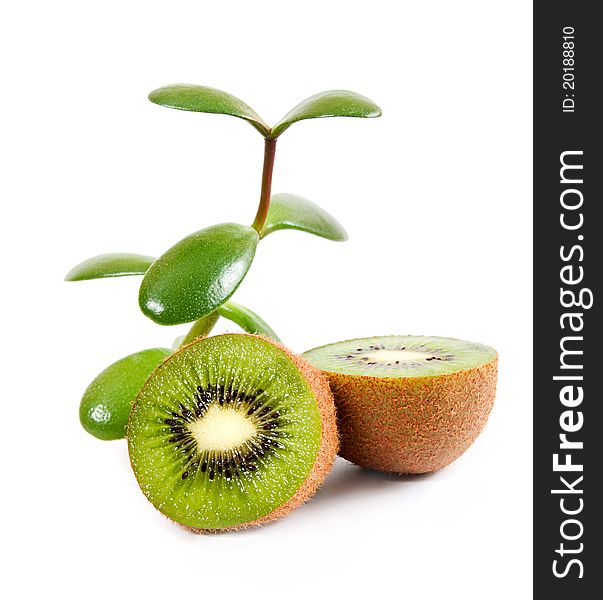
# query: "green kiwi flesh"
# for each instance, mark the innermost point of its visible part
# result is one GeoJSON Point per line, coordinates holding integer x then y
{"type": "Point", "coordinates": [229, 430]}
{"type": "Point", "coordinates": [400, 356]}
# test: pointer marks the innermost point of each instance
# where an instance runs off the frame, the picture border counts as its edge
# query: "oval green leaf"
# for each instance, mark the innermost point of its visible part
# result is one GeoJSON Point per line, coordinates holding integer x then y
{"type": "Point", "coordinates": [199, 98]}
{"type": "Point", "coordinates": [198, 274]}
{"type": "Point", "coordinates": [107, 402]}
{"type": "Point", "coordinates": [110, 265]}
{"type": "Point", "coordinates": [333, 103]}
{"type": "Point", "coordinates": [288, 211]}
{"type": "Point", "coordinates": [246, 319]}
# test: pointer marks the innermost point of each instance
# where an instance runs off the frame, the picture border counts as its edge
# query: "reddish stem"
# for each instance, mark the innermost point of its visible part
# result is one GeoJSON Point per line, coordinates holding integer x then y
{"type": "Point", "coordinates": [269, 153]}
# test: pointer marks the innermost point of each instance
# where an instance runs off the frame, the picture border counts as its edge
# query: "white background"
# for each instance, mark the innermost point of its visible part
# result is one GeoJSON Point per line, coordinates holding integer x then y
{"type": "Point", "coordinates": [436, 198]}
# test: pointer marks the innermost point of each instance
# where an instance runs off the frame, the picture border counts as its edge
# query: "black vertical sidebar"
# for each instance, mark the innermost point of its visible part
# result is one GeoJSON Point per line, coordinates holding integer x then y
{"type": "Point", "coordinates": [568, 268]}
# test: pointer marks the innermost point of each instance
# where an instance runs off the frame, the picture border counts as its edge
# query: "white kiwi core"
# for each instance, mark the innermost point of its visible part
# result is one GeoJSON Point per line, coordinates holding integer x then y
{"type": "Point", "coordinates": [221, 429]}
{"type": "Point", "coordinates": [390, 356]}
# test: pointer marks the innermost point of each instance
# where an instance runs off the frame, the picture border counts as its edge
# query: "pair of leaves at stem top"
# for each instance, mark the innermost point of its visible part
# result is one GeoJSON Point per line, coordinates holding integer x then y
{"type": "Point", "coordinates": [198, 98]}
{"type": "Point", "coordinates": [197, 276]}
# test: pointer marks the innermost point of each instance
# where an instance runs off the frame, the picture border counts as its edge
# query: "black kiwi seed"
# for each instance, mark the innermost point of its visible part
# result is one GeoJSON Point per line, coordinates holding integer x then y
{"type": "Point", "coordinates": [206, 396]}
{"type": "Point", "coordinates": [185, 475]}
{"type": "Point", "coordinates": [239, 397]}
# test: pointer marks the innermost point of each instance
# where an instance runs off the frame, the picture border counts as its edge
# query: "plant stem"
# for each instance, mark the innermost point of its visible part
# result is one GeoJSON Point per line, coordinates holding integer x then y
{"type": "Point", "coordinates": [269, 152]}
{"type": "Point", "coordinates": [200, 328]}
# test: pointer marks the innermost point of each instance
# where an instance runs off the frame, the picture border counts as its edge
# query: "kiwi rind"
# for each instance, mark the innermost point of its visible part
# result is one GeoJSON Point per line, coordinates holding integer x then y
{"type": "Point", "coordinates": [412, 425]}
{"type": "Point", "coordinates": [327, 447]}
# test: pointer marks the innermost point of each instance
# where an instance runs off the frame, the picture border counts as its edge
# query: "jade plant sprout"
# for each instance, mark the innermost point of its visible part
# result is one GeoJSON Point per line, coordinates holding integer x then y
{"type": "Point", "coordinates": [194, 280]}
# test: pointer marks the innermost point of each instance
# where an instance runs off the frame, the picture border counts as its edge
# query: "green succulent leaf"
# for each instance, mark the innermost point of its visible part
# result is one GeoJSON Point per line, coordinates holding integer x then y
{"type": "Point", "coordinates": [199, 98]}
{"type": "Point", "coordinates": [201, 328]}
{"type": "Point", "coordinates": [110, 265]}
{"type": "Point", "coordinates": [333, 103]}
{"type": "Point", "coordinates": [106, 404]}
{"type": "Point", "coordinates": [198, 274]}
{"type": "Point", "coordinates": [288, 211]}
{"type": "Point", "coordinates": [246, 319]}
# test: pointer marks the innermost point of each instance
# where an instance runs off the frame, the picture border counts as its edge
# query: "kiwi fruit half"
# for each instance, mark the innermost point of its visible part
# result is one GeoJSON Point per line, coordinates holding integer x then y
{"type": "Point", "coordinates": [408, 404]}
{"type": "Point", "coordinates": [231, 431]}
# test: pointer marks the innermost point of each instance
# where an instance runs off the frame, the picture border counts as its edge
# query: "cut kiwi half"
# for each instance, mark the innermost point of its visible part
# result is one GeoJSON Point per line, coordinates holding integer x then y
{"type": "Point", "coordinates": [408, 404]}
{"type": "Point", "coordinates": [231, 431]}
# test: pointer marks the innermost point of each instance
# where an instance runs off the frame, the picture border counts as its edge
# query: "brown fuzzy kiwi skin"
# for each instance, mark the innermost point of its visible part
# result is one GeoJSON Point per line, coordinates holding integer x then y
{"type": "Point", "coordinates": [412, 425]}
{"type": "Point", "coordinates": [327, 451]}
